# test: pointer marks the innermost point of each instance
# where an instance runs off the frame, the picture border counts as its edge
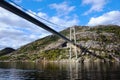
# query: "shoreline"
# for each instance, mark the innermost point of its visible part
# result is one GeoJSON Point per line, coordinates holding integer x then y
{"type": "Point", "coordinates": [62, 61]}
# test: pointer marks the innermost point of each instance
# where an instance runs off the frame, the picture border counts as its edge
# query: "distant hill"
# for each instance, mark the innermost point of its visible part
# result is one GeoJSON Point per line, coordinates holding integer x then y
{"type": "Point", "coordinates": [6, 51]}
{"type": "Point", "coordinates": [103, 40]}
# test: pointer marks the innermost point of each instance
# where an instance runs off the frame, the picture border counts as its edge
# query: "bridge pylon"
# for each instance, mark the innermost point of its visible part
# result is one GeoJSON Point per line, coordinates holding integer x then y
{"type": "Point", "coordinates": [73, 38]}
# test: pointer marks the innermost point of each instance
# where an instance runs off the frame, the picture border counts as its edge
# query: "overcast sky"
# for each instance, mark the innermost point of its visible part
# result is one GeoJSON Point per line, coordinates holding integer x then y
{"type": "Point", "coordinates": [15, 31]}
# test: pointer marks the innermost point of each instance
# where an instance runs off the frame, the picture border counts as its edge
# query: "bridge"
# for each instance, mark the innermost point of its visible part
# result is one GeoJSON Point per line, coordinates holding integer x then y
{"type": "Point", "coordinates": [24, 15]}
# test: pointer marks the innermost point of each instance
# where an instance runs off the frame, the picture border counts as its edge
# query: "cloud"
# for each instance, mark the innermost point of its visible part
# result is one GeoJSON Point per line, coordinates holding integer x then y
{"type": "Point", "coordinates": [43, 15]}
{"type": "Point", "coordinates": [59, 23]}
{"type": "Point", "coordinates": [112, 17]}
{"type": "Point", "coordinates": [96, 5]}
{"type": "Point", "coordinates": [15, 31]}
{"type": "Point", "coordinates": [17, 1]}
{"type": "Point", "coordinates": [62, 8]}
{"type": "Point", "coordinates": [62, 22]}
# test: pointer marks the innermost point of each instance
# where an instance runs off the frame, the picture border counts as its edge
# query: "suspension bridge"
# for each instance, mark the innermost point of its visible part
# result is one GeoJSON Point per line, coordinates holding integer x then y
{"type": "Point", "coordinates": [78, 48]}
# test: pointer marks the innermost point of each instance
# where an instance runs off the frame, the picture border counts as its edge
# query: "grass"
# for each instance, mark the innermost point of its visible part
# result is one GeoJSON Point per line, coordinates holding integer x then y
{"type": "Point", "coordinates": [5, 58]}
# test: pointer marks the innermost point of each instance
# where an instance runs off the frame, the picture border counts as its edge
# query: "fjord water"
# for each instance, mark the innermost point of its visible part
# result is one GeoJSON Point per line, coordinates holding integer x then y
{"type": "Point", "coordinates": [59, 71]}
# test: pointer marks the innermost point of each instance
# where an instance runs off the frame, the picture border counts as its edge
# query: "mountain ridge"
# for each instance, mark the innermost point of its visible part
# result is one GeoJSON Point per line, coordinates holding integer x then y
{"type": "Point", "coordinates": [6, 51]}
{"type": "Point", "coordinates": [104, 40]}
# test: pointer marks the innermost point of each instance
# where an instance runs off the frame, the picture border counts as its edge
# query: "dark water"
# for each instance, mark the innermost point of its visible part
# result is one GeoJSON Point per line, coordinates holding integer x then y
{"type": "Point", "coordinates": [59, 71]}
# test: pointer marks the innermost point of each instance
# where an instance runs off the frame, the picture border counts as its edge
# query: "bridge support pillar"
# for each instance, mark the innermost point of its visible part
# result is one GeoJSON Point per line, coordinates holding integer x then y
{"type": "Point", "coordinates": [73, 37]}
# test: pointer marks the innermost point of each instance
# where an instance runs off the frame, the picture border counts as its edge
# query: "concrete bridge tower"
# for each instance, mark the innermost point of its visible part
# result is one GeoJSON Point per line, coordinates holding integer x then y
{"type": "Point", "coordinates": [73, 38]}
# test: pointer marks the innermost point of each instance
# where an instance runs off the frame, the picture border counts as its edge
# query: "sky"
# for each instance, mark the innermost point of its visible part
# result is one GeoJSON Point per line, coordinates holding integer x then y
{"type": "Point", "coordinates": [16, 32]}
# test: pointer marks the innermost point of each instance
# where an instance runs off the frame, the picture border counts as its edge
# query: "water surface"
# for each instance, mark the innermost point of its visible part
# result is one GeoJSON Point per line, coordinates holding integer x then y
{"type": "Point", "coordinates": [59, 71]}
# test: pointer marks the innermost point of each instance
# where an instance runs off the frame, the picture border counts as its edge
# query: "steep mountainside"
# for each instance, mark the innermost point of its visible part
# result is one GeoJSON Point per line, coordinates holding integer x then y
{"type": "Point", "coordinates": [103, 41]}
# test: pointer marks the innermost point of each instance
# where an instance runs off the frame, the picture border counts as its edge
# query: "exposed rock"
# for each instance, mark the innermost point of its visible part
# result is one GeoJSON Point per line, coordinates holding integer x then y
{"type": "Point", "coordinates": [55, 45]}
{"type": "Point", "coordinates": [100, 42]}
{"type": "Point", "coordinates": [87, 34]}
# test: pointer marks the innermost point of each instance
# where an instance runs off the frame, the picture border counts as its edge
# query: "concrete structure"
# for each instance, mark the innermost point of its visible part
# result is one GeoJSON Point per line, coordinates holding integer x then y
{"type": "Point", "coordinates": [72, 38]}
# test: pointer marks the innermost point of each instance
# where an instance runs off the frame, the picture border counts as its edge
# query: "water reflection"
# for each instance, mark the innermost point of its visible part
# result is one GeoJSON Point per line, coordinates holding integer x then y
{"type": "Point", "coordinates": [59, 71]}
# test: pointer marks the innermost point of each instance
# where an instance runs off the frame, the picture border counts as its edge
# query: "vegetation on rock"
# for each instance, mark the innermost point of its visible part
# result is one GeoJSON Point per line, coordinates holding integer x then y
{"type": "Point", "coordinates": [6, 51]}
{"type": "Point", "coordinates": [102, 40]}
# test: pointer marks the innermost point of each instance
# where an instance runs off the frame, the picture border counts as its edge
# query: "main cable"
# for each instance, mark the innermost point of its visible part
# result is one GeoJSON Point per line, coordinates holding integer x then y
{"type": "Point", "coordinates": [36, 16]}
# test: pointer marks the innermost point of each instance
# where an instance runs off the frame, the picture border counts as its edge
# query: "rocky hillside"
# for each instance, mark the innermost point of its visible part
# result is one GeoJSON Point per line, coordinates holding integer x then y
{"type": "Point", "coordinates": [103, 41]}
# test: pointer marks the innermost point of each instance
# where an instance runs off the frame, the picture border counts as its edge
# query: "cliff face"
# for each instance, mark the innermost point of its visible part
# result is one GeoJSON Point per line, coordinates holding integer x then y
{"type": "Point", "coordinates": [104, 41]}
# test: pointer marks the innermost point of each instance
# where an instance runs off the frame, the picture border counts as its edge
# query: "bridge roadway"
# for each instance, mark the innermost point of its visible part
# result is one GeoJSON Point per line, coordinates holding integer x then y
{"type": "Point", "coordinates": [24, 15]}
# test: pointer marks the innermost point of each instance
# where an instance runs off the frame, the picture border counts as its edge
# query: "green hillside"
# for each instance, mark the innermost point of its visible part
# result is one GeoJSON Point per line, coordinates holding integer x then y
{"type": "Point", "coordinates": [103, 41]}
